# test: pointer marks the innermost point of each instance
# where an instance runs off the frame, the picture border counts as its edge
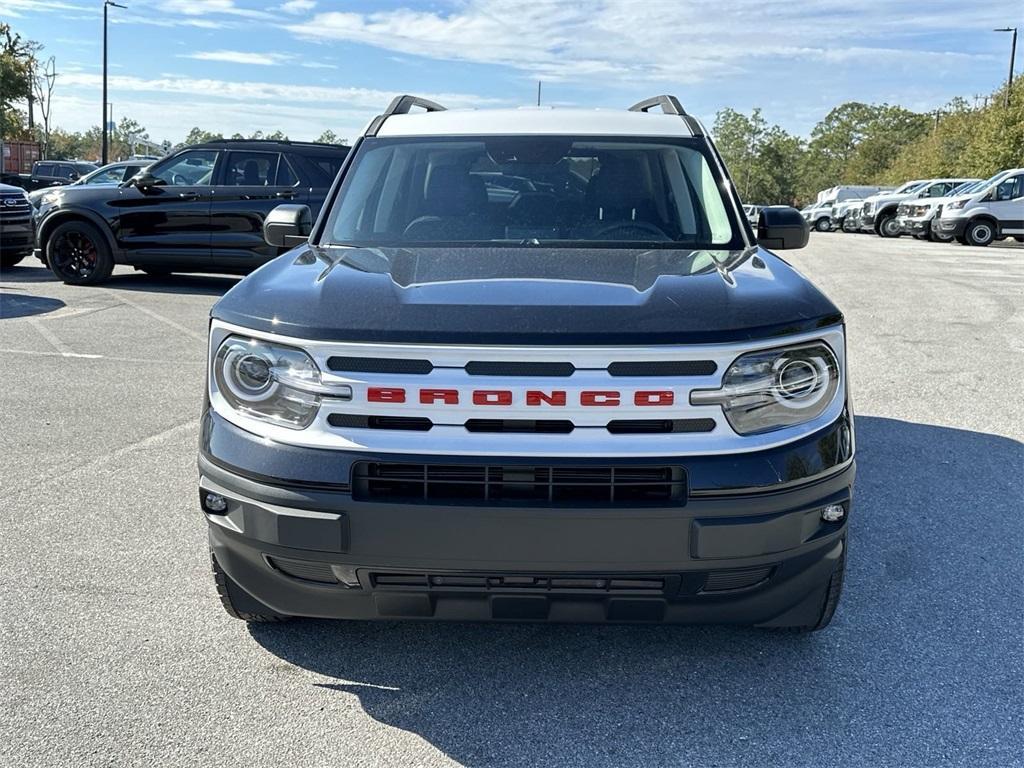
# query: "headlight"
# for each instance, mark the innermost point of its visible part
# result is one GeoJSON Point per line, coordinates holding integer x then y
{"type": "Point", "coordinates": [776, 388]}
{"type": "Point", "coordinates": [268, 381]}
{"type": "Point", "coordinates": [956, 205]}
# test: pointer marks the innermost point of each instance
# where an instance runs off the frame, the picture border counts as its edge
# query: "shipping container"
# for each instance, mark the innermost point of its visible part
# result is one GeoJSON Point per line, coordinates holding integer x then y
{"type": "Point", "coordinates": [18, 156]}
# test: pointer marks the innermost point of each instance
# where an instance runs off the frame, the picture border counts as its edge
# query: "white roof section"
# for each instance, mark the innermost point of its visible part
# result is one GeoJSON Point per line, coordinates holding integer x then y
{"type": "Point", "coordinates": [534, 122]}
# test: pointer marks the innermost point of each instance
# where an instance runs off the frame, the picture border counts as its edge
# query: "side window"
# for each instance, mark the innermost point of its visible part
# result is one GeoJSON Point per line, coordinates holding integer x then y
{"type": "Point", "coordinates": [107, 177]}
{"type": "Point", "coordinates": [286, 176]}
{"type": "Point", "coordinates": [193, 167]}
{"type": "Point", "coordinates": [1011, 189]}
{"type": "Point", "coordinates": [67, 172]}
{"type": "Point", "coordinates": [44, 169]}
{"type": "Point", "coordinates": [250, 169]}
{"type": "Point", "coordinates": [936, 190]}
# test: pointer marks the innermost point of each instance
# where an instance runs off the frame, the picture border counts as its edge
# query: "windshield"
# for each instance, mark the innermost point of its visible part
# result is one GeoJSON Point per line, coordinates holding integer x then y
{"type": "Point", "coordinates": [530, 190]}
{"type": "Point", "coordinates": [910, 186]}
{"type": "Point", "coordinates": [966, 187]}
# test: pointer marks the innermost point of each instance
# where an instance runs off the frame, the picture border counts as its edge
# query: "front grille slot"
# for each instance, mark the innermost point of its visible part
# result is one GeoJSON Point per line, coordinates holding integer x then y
{"type": "Point", "coordinates": [304, 569]}
{"type": "Point", "coordinates": [516, 485]}
{"type": "Point", "coordinates": [379, 365]}
{"type": "Point", "coordinates": [664, 368]}
{"type": "Point", "coordinates": [406, 423]}
{"type": "Point", "coordinates": [552, 426]}
{"type": "Point", "coordinates": [740, 578]}
{"type": "Point", "coordinates": [659, 426]}
{"type": "Point", "coordinates": [485, 368]}
{"type": "Point", "coordinates": [526, 582]}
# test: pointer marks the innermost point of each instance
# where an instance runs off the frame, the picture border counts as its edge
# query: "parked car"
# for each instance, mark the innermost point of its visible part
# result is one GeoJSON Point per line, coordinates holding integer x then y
{"type": "Point", "coordinates": [109, 175]}
{"type": "Point", "coordinates": [845, 214]}
{"type": "Point", "coordinates": [55, 173]}
{"type": "Point", "coordinates": [200, 209]}
{"type": "Point", "coordinates": [819, 215]}
{"type": "Point", "coordinates": [17, 235]}
{"type": "Point", "coordinates": [880, 211]}
{"type": "Point", "coordinates": [992, 212]}
{"type": "Point", "coordinates": [448, 402]}
{"type": "Point", "coordinates": [752, 212]}
{"type": "Point", "coordinates": [915, 215]}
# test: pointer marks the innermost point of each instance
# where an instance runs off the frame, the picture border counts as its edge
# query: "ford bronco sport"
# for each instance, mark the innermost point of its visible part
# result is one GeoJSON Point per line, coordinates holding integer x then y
{"type": "Point", "coordinates": [529, 365]}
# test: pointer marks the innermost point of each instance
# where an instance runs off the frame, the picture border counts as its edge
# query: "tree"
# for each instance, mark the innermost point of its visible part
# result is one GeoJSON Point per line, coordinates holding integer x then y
{"type": "Point", "coordinates": [126, 135]}
{"type": "Point", "coordinates": [330, 137]}
{"type": "Point", "coordinates": [199, 136]}
{"type": "Point", "coordinates": [762, 159]}
{"type": "Point", "coordinates": [43, 84]}
{"type": "Point", "coordinates": [15, 81]}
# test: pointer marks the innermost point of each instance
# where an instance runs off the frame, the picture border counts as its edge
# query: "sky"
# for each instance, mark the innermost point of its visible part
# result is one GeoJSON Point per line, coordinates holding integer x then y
{"type": "Point", "coordinates": [304, 66]}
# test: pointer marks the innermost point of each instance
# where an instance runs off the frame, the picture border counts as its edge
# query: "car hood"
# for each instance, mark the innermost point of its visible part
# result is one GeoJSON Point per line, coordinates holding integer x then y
{"type": "Point", "coordinates": [527, 295]}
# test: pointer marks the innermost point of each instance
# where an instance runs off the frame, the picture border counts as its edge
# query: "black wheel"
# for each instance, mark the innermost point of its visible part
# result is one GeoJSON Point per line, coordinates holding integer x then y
{"type": "Point", "coordinates": [888, 226]}
{"type": "Point", "coordinates": [832, 594]}
{"type": "Point", "coordinates": [78, 254]}
{"type": "Point", "coordinates": [238, 603]}
{"type": "Point", "coordinates": [823, 224]}
{"type": "Point", "coordinates": [8, 260]}
{"type": "Point", "coordinates": [1019, 238]}
{"type": "Point", "coordinates": [980, 232]}
{"type": "Point", "coordinates": [922, 237]}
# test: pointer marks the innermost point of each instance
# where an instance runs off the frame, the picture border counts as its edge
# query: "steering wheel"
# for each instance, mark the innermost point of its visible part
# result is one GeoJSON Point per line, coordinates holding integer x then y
{"type": "Point", "coordinates": [624, 226]}
{"type": "Point", "coordinates": [178, 180]}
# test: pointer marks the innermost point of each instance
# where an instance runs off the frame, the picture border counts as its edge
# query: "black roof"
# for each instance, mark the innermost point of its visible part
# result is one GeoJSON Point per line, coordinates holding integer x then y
{"type": "Point", "coordinates": [265, 144]}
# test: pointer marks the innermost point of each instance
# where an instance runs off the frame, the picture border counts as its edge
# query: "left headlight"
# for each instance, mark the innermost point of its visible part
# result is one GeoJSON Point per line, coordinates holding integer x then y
{"type": "Point", "coordinates": [266, 381]}
{"type": "Point", "coordinates": [776, 388]}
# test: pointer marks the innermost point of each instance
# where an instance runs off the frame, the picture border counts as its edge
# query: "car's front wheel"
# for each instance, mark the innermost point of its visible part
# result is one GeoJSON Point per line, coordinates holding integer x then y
{"type": "Point", "coordinates": [888, 226]}
{"type": "Point", "coordinates": [980, 232]}
{"type": "Point", "coordinates": [238, 603]}
{"type": "Point", "coordinates": [78, 254]}
{"type": "Point", "coordinates": [823, 225]}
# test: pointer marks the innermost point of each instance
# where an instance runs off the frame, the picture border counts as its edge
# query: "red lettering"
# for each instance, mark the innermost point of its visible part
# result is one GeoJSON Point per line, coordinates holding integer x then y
{"type": "Point", "coordinates": [537, 397]}
{"type": "Point", "coordinates": [446, 396]}
{"type": "Point", "coordinates": [385, 395]}
{"type": "Point", "coordinates": [656, 397]}
{"type": "Point", "coordinates": [492, 397]}
{"type": "Point", "coordinates": [599, 398]}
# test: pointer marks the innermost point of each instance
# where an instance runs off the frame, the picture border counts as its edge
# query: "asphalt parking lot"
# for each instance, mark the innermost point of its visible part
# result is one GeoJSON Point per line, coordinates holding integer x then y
{"type": "Point", "coordinates": [115, 651]}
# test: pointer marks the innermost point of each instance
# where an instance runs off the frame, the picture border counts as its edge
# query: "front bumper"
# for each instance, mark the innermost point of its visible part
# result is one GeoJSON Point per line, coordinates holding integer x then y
{"type": "Point", "coordinates": [949, 227]}
{"type": "Point", "coordinates": [759, 554]}
{"type": "Point", "coordinates": [19, 238]}
{"type": "Point", "coordinates": [914, 226]}
{"type": "Point", "coordinates": [867, 221]}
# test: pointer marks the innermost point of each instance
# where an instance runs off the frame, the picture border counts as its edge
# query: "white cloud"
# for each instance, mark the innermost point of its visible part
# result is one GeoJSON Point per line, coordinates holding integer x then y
{"type": "Point", "coordinates": [629, 41]}
{"type": "Point", "coordinates": [297, 6]}
{"type": "Point", "coordinates": [239, 57]}
{"type": "Point", "coordinates": [318, 65]}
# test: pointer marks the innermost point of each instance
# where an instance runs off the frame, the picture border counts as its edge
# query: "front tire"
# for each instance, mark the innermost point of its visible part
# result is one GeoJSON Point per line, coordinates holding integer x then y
{"type": "Point", "coordinates": [8, 260]}
{"type": "Point", "coordinates": [980, 232]}
{"type": "Point", "coordinates": [888, 226]}
{"type": "Point", "coordinates": [823, 225]}
{"type": "Point", "coordinates": [78, 254]}
{"type": "Point", "coordinates": [238, 603]}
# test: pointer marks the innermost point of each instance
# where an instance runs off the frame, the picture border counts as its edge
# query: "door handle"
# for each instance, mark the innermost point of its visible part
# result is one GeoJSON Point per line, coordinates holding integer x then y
{"type": "Point", "coordinates": [285, 195]}
{"type": "Point", "coordinates": [188, 195]}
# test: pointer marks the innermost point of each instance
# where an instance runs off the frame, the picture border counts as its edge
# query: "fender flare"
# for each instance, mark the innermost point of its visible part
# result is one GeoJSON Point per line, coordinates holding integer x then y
{"type": "Point", "coordinates": [62, 215]}
{"type": "Point", "coordinates": [988, 217]}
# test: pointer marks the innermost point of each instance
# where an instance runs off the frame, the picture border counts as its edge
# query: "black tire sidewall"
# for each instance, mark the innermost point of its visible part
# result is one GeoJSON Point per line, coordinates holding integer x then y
{"type": "Point", "coordinates": [823, 225]}
{"type": "Point", "coordinates": [969, 232]}
{"type": "Point", "coordinates": [104, 258]}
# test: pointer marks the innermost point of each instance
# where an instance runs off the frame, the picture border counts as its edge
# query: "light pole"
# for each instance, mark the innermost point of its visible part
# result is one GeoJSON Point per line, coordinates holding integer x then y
{"type": "Point", "coordinates": [103, 151]}
{"type": "Point", "coordinates": [1013, 55]}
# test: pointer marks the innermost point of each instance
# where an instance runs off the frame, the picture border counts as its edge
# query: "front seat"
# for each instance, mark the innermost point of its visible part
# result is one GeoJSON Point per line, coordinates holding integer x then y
{"type": "Point", "coordinates": [454, 208]}
{"type": "Point", "coordinates": [251, 174]}
{"type": "Point", "coordinates": [617, 195]}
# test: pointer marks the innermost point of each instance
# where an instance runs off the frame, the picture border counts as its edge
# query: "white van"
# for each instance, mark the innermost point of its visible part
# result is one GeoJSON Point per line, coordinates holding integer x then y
{"type": "Point", "coordinates": [991, 212]}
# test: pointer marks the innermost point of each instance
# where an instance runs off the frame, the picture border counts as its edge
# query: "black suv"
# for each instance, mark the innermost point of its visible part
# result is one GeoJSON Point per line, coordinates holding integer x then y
{"type": "Point", "coordinates": [198, 210]}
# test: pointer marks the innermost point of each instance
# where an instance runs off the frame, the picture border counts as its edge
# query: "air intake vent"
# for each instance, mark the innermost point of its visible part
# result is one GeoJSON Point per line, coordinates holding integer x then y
{"type": "Point", "coordinates": [379, 365]}
{"type": "Point", "coordinates": [407, 423]}
{"type": "Point", "coordinates": [664, 368]}
{"type": "Point", "coordinates": [304, 569]}
{"type": "Point", "coordinates": [478, 368]}
{"type": "Point", "coordinates": [659, 426]}
{"type": "Point", "coordinates": [519, 485]}
{"type": "Point", "coordinates": [525, 582]}
{"type": "Point", "coordinates": [741, 578]}
{"type": "Point", "coordinates": [519, 425]}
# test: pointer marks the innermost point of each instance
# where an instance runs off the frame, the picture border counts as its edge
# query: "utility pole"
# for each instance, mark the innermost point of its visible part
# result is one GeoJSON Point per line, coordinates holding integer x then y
{"type": "Point", "coordinates": [104, 126]}
{"type": "Point", "coordinates": [538, 93]}
{"type": "Point", "coordinates": [1013, 55]}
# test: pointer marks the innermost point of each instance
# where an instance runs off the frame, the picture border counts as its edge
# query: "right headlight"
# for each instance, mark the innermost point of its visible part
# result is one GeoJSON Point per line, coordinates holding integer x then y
{"type": "Point", "coordinates": [956, 205]}
{"type": "Point", "coordinates": [775, 388]}
{"type": "Point", "coordinates": [269, 382]}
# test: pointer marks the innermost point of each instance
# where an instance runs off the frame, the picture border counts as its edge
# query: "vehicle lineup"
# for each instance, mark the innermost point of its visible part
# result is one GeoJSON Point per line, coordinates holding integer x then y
{"type": "Point", "coordinates": [456, 337]}
{"type": "Point", "coordinates": [17, 232]}
{"type": "Point", "coordinates": [200, 209]}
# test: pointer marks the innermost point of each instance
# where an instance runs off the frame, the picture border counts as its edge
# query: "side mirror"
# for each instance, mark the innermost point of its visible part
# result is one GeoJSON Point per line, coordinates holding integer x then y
{"type": "Point", "coordinates": [782, 228]}
{"type": "Point", "coordinates": [143, 180]}
{"type": "Point", "coordinates": [288, 225]}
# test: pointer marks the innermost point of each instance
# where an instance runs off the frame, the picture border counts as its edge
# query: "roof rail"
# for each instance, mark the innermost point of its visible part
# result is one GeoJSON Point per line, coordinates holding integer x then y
{"type": "Point", "coordinates": [402, 105]}
{"type": "Point", "coordinates": [670, 106]}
